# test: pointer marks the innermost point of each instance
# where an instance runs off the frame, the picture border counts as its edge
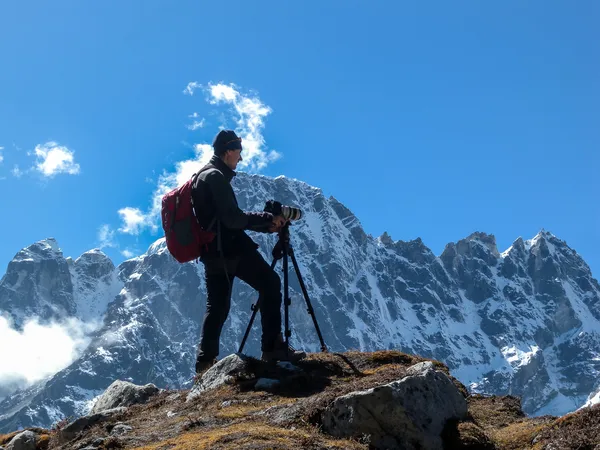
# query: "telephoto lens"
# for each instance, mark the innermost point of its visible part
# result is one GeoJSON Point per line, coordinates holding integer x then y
{"type": "Point", "coordinates": [290, 213]}
{"type": "Point", "coordinates": [287, 212]}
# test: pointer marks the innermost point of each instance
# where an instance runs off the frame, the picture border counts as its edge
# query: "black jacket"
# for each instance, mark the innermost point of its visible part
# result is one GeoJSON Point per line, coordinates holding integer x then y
{"type": "Point", "coordinates": [213, 198]}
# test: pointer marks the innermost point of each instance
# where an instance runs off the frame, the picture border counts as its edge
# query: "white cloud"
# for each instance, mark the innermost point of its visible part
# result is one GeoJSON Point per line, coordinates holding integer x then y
{"type": "Point", "coordinates": [17, 172]}
{"type": "Point", "coordinates": [134, 221]}
{"type": "Point", "coordinates": [38, 350]}
{"type": "Point", "coordinates": [127, 253]}
{"type": "Point", "coordinates": [106, 236]}
{"type": "Point", "coordinates": [197, 124]}
{"type": "Point", "coordinates": [53, 159]}
{"type": "Point", "coordinates": [248, 112]}
{"type": "Point", "coordinates": [191, 87]}
{"type": "Point", "coordinates": [1, 157]}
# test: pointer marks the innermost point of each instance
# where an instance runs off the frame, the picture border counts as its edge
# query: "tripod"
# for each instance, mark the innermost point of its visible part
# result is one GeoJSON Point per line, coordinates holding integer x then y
{"type": "Point", "coordinates": [283, 249]}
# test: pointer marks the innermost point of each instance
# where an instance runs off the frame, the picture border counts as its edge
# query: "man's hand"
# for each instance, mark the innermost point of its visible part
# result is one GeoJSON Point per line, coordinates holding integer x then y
{"type": "Point", "coordinates": [278, 223]}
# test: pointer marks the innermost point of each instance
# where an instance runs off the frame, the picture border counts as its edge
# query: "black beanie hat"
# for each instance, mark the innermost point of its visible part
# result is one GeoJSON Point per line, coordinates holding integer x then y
{"type": "Point", "coordinates": [226, 140]}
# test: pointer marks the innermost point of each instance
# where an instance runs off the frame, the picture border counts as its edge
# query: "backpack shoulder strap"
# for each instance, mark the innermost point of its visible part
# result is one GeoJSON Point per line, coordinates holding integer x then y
{"type": "Point", "coordinates": [196, 178]}
{"type": "Point", "coordinates": [207, 168]}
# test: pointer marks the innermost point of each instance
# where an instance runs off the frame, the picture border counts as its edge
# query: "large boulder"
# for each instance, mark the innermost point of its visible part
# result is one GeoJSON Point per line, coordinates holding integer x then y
{"type": "Point", "coordinates": [407, 414]}
{"type": "Point", "coordinates": [123, 393]}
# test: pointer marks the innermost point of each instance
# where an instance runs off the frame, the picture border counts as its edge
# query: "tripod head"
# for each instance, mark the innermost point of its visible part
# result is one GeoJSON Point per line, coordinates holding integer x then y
{"type": "Point", "coordinates": [283, 244]}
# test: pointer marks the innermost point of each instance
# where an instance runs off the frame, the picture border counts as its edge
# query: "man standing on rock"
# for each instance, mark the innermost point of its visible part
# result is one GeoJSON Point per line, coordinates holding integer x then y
{"type": "Point", "coordinates": [234, 254]}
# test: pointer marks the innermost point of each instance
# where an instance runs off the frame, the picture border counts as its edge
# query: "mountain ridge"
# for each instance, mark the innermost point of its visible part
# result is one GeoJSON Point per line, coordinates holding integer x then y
{"type": "Point", "coordinates": [500, 321]}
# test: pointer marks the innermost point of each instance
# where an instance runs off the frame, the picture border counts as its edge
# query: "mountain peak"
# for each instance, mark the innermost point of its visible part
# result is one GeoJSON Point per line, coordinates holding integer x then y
{"type": "Point", "coordinates": [487, 240]}
{"type": "Point", "coordinates": [543, 239]}
{"type": "Point", "coordinates": [386, 239]}
{"type": "Point", "coordinates": [157, 247]}
{"type": "Point", "coordinates": [518, 247]}
{"type": "Point", "coordinates": [94, 254]}
{"type": "Point", "coordinates": [45, 249]}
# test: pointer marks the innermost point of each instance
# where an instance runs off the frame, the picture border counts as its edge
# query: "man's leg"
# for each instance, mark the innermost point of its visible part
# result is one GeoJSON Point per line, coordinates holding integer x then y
{"type": "Point", "coordinates": [217, 308]}
{"type": "Point", "coordinates": [255, 271]}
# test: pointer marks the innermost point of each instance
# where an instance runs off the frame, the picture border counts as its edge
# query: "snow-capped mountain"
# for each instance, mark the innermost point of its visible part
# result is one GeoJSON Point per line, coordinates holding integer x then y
{"type": "Point", "coordinates": [524, 322]}
{"type": "Point", "coordinates": [38, 284]}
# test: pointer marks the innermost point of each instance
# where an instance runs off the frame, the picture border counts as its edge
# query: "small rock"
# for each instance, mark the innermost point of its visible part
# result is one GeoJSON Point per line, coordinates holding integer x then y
{"type": "Point", "coordinates": [173, 397]}
{"type": "Point", "coordinates": [286, 365]}
{"type": "Point", "coordinates": [120, 429]}
{"type": "Point", "coordinates": [223, 372]}
{"type": "Point", "coordinates": [71, 430]}
{"type": "Point", "coordinates": [266, 383]}
{"type": "Point", "coordinates": [171, 414]}
{"type": "Point", "coordinates": [124, 393]}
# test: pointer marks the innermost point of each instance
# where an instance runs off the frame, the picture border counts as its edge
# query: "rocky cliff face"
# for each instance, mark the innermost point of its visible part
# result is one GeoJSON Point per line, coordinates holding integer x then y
{"type": "Point", "coordinates": [524, 322]}
{"type": "Point", "coordinates": [38, 284]}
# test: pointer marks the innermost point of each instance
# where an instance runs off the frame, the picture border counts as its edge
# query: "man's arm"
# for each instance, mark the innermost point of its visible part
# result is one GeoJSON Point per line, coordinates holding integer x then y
{"type": "Point", "coordinates": [227, 210]}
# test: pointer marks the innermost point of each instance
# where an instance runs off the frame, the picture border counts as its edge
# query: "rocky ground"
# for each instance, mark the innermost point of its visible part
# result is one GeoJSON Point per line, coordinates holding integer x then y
{"type": "Point", "coordinates": [350, 400]}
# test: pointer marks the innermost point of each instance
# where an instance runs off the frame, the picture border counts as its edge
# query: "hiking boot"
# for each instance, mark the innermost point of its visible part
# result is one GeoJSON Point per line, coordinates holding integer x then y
{"type": "Point", "coordinates": [202, 365]}
{"type": "Point", "coordinates": [279, 353]}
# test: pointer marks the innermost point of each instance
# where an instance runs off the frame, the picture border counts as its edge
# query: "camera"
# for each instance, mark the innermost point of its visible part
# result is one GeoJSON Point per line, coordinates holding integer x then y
{"type": "Point", "coordinates": [287, 212]}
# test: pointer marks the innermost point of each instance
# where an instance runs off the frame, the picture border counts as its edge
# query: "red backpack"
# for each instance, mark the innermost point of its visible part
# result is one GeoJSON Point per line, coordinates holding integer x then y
{"type": "Point", "coordinates": [186, 239]}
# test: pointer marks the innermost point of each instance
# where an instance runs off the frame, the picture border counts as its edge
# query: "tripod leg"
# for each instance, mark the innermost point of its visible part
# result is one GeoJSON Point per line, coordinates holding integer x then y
{"type": "Point", "coordinates": [255, 307]}
{"type": "Point", "coordinates": [308, 304]}
{"type": "Point", "coordinates": [287, 301]}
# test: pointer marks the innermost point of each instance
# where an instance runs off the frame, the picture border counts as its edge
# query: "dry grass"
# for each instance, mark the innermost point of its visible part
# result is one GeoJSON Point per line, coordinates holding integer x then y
{"type": "Point", "coordinates": [252, 436]}
{"type": "Point", "coordinates": [519, 435]}
{"type": "Point", "coordinates": [6, 438]}
{"type": "Point", "coordinates": [43, 442]}
{"type": "Point", "coordinates": [576, 431]}
{"type": "Point", "coordinates": [495, 412]}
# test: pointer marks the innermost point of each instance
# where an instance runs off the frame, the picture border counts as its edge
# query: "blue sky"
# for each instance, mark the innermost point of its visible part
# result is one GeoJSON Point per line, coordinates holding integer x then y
{"type": "Point", "coordinates": [428, 120]}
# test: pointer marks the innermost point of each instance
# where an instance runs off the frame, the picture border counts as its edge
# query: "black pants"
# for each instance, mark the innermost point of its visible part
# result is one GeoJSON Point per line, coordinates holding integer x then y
{"type": "Point", "coordinates": [255, 271]}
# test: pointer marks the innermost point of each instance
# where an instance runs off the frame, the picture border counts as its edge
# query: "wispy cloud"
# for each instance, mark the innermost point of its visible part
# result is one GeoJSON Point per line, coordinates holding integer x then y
{"type": "Point", "coordinates": [1, 156]}
{"type": "Point", "coordinates": [248, 113]}
{"type": "Point", "coordinates": [191, 87]}
{"type": "Point", "coordinates": [196, 123]}
{"type": "Point", "coordinates": [49, 348]}
{"type": "Point", "coordinates": [17, 172]}
{"type": "Point", "coordinates": [127, 253]}
{"type": "Point", "coordinates": [106, 236]}
{"type": "Point", "coordinates": [53, 159]}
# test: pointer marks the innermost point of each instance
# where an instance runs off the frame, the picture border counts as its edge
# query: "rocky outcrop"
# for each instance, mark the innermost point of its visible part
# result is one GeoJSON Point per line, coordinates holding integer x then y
{"type": "Point", "coordinates": [352, 400]}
